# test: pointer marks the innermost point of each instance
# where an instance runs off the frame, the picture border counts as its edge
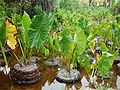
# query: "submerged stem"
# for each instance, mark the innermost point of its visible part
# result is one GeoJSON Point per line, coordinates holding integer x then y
{"type": "Point", "coordinates": [3, 52]}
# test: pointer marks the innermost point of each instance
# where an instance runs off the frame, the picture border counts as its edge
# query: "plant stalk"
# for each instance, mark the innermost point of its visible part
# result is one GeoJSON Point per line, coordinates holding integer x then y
{"type": "Point", "coordinates": [73, 54]}
{"type": "Point", "coordinates": [24, 56]}
{"type": "Point", "coordinates": [16, 57]}
{"type": "Point", "coordinates": [68, 65]}
{"type": "Point", "coordinates": [29, 56]}
{"type": "Point", "coordinates": [3, 52]}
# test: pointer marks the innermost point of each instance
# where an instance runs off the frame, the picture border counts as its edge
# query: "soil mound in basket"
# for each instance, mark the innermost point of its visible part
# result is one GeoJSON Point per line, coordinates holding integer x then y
{"type": "Point", "coordinates": [28, 74]}
{"type": "Point", "coordinates": [68, 77]}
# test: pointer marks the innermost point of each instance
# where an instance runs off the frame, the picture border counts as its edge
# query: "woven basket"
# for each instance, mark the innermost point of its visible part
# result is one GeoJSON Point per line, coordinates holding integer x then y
{"type": "Point", "coordinates": [28, 74]}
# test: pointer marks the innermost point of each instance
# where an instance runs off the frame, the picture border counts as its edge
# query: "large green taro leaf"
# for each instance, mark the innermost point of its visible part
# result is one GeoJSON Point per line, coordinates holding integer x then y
{"type": "Point", "coordinates": [39, 31]}
{"type": "Point", "coordinates": [81, 41]}
{"type": "Point", "coordinates": [105, 63]}
{"type": "Point", "coordinates": [80, 44]}
{"type": "Point", "coordinates": [26, 21]}
{"type": "Point", "coordinates": [66, 44]}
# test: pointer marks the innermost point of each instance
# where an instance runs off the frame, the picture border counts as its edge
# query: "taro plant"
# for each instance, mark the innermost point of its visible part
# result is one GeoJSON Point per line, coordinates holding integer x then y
{"type": "Point", "coordinates": [53, 50]}
{"type": "Point", "coordinates": [102, 59]}
{"type": "Point", "coordinates": [101, 54]}
{"type": "Point", "coordinates": [116, 34]}
{"type": "Point", "coordinates": [73, 36]}
{"type": "Point", "coordinates": [33, 34]}
{"type": "Point", "coordinates": [67, 47]}
{"type": "Point", "coordinates": [53, 40]}
{"type": "Point", "coordinates": [72, 44]}
{"type": "Point", "coordinates": [8, 32]}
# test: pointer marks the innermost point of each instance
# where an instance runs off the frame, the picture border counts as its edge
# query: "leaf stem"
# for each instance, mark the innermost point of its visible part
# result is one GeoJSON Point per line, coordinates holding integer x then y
{"type": "Point", "coordinates": [68, 64]}
{"type": "Point", "coordinates": [29, 56]}
{"type": "Point", "coordinates": [73, 54]}
{"type": "Point", "coordinates": [16, 57]}
{"type": "Point", "coordinates": [24, 56]}
{"type": "Point", "coordinates": [3, 52]}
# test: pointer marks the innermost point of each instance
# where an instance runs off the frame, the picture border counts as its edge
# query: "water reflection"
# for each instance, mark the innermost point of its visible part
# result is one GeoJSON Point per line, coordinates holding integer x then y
{"type": "Point", "coordinates": [5, 82]}
{"type": "Point", "coordinates": [118, 82]}
{"type": "Point", "coordinates": [54, 86]}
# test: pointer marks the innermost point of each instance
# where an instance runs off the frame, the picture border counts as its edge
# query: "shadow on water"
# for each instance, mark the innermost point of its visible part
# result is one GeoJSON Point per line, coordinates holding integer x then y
{"type": "Point", "coordinates": [48, 81]}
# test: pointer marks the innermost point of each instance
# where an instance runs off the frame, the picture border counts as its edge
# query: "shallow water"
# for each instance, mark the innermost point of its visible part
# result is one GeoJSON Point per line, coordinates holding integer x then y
{"type": "Point", "coordinates": [48, 81]}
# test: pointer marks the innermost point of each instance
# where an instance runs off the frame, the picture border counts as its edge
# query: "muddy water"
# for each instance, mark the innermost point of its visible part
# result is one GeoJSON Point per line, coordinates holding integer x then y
{"type": "Point", "coordinates": [48, 81]}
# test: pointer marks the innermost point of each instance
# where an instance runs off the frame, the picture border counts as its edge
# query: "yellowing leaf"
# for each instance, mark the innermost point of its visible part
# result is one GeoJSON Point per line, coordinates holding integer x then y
{"type": "Point", "coordinates": [11, 31]}
{"type": "Point", "coordinates": [11, 42]}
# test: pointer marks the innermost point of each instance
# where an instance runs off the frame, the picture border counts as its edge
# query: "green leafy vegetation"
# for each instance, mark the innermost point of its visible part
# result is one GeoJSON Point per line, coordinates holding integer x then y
{"type": "Point", "coordinates": [83, 33]}
{"type": "Point", "coordinates": [105, 63]}
{"type": "Point", "coordinates": [39, 31]}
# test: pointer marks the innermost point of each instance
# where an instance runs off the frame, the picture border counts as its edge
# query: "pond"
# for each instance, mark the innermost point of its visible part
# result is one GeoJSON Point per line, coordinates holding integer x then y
{"type": "Point", "coordinates": [48, 81]}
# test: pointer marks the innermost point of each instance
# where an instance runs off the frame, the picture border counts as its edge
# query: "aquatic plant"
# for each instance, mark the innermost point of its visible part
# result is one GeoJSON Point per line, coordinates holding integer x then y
{"type": "Point", "coordinates": [8, 31]}
{"type": "Point", "coordinates": [33, 34]}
